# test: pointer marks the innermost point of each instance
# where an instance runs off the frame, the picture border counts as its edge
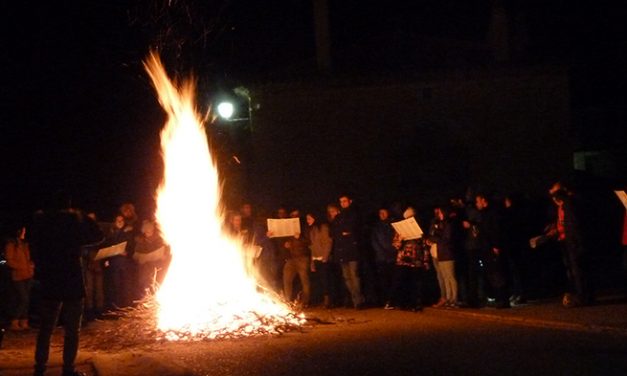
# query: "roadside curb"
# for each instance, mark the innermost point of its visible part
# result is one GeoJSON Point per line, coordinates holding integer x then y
{"type": "Point", "coordinates": [508, 319]}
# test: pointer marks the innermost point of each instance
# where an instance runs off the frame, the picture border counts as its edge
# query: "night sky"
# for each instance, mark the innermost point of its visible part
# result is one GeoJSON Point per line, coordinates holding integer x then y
{"type": "Point", "coordinates": [78, 112]}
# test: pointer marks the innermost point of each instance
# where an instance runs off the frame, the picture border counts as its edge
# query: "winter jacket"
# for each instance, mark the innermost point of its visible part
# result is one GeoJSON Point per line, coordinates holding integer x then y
{"type": "Point", "coordinates": [381, 240]}
{"type": "Point", "coordinates": [18, 259]}
{"type": "Point", "coordinates": [320, 242]}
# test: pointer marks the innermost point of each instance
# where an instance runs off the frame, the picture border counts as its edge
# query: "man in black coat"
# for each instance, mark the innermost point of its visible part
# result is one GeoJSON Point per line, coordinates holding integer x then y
{"type": "Point", "coordinates": [57, 237]}
{"type": "Point", "coordinates": [489, 236]}
{"type": "Point", "coordinates": [345, 234]}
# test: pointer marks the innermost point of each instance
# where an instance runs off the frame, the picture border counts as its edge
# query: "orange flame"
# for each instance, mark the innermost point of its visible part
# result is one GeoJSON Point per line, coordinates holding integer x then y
{"type": "Point", "coordinates": [209, 290]}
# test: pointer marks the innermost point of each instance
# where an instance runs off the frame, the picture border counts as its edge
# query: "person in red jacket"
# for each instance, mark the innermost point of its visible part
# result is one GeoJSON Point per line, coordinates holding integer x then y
{"type": "Point", "coordinates": [17, 253]}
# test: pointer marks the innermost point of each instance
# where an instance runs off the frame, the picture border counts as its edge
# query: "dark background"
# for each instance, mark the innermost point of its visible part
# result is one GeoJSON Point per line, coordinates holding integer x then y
{"type": "Point", "coordinates": [78, 112]}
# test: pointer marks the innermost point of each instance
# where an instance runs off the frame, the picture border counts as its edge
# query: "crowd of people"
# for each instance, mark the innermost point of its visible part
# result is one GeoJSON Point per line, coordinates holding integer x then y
{"type": "Point", "coordinates": [474, 247]}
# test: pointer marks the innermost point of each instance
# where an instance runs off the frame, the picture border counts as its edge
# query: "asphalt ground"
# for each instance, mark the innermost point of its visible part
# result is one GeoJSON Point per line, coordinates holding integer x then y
{"type": "Point", "coordinates": [368, 342]}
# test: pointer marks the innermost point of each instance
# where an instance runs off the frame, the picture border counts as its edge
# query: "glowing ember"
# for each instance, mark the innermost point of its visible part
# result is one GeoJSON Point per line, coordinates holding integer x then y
{"type": "Point", "coordinates": [210, 290]}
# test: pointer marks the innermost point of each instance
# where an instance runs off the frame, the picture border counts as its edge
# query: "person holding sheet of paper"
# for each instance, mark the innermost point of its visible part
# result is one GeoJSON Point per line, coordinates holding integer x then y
{"type": "Point", "coordinates": [412, 258]}
{"type": "Point", "coordinates": [119, 268]}
{"type": "Point", "coordinates": [297, 263]}
{"type": "Point", "coordinates": [149, 273]}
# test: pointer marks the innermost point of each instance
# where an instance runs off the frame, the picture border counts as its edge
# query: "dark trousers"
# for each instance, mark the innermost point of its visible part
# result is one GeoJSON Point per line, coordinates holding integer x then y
{"type": "Point", "coordinates": [576, 270]}
{"type": "Point", "coordinates": [406, 290]}
{"type": "Point", "coordinates": [495, 273]}
{"type": "Point", "coordinates": [473, 273]}
{"type": "Point", "coordinates": [22, 291]}
{"type": "Point", "coordinates": [323, 277]}
{"type": "Point", "coordinates": [292, 268]}
{"type": "Point", "coordinates": [120, 286]}
{"type": "Point", "coordinates": [385, 277]}
{"type": "Point", "coordinates": [50, 309]}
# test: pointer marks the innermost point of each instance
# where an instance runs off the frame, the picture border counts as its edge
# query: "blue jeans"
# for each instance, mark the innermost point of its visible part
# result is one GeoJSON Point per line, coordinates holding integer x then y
{"type": "Point", "coordinates": [350, 272]}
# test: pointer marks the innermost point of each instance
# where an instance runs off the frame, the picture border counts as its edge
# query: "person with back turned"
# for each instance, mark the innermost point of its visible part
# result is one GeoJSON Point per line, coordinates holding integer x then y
{"type": "Point", "coordinates": [57, 237]}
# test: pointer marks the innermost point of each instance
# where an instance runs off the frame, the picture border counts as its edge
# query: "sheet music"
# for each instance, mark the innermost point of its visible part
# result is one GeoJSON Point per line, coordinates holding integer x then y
{"type": "Point", "coordinates": [622, 196]}
{"type": "Point", "coordinates": [111, 251]}
{"type": "Point", "coordinates": [283, 227]}
{"type": "Point", "coordinates": [408, 229]}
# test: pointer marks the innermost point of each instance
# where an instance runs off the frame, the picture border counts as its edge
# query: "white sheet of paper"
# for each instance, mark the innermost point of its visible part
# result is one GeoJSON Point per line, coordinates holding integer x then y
{"type": "Point", "coordinates": [622, 196]}
{"type": "Point", "coordinates": [156, 255]}
{"type": "Point", "coordinates": [283, 227]}
{"type": "Point", "coordinates": [408, 229]}
{"type": "Point", "coordinates": [107, 252]}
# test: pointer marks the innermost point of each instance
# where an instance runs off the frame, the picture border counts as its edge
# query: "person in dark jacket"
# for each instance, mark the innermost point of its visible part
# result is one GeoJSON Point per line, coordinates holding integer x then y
{"type": "Point", "coordinates": [345, 234]}
{"type": "Point", "coordinates": [443, 242]}
{"type": "Point", "coordinates": [119, 268]}
{"type": "Point", "coordinates": [489, 236]}
{"type": "Point", "coordinates": [381, 240]}
{"type": "Point", "coordinates": [57, 238]}
{"type": "Point", "coordinates": [472, 250]}
{"type": "Point", "coordinates": [298, 262]}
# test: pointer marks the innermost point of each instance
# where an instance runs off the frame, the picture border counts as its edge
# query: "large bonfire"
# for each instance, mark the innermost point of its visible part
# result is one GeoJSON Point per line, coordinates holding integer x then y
{"type": "Point", "coordinates": [210, 290]}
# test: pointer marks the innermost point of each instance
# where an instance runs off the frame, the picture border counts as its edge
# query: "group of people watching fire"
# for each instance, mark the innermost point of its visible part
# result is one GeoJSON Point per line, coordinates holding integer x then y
{"type": "Point", "coordinates": [473, 248]}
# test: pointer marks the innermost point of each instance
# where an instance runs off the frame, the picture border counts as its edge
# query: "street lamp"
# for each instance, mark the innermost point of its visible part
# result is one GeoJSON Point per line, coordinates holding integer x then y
{"type": "Point", "coordinates": [226, 110]}
{"type": "Point", "coordinates": [231, 107]}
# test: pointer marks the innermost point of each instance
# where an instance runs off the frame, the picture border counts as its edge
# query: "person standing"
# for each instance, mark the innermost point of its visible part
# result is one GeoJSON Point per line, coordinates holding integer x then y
{"type": "Point", "coordinates": [19, 260]}
{"type": "Point", "coordinates": [150, 274]}
{"type": "Point", "coordinates": [411, 261]}
{"type": "Point", "coordinates": [297, 262]}
{"type": "Point", "coordinates": [345, 245]}
{"type": "Point", "coordinates": [320, 244]}
{"type": "Point", "coordinates": [57, 237]}
{"type": "Point", "coordinates": [119, 268]}
{"type": "Point", "coordinates": [381, 239]}
{"type": "Point", "coordinates": [491, 249]}
{"type": "Point", "coordinates": [444, 239]}
{"type": "Point", "coordinates": [574, 255]}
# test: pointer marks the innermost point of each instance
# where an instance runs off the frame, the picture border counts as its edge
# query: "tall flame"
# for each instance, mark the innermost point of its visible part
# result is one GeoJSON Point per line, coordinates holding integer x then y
{"type": "Point", "coordinates": [209, 290]}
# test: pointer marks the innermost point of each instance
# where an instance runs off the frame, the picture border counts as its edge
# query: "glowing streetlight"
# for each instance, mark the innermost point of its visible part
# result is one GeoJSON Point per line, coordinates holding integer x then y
{"type": "Point", "coordinates": [226, 110]}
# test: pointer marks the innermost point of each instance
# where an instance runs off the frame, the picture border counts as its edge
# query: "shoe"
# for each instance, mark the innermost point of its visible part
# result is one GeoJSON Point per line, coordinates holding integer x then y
{"type": "Point", "coordinates": [440, 303]}
{"type": "Point", "coordinates": [417, 308]}
{"type": "Point", "coordinates": [388, 306]}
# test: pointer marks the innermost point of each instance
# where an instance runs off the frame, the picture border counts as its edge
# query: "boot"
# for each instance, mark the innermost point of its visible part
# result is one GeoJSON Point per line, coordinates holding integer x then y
{"type": "Point", "coordinates": [15, 325]}
{"type": "Point", "coordinates": [24, 324]}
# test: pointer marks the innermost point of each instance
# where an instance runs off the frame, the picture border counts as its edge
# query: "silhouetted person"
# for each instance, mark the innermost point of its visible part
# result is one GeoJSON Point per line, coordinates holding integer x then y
{"type": "Point", "coordinates": [490, 240]}
{"type": "Point", "coordinates": [574, 255]}
{"type": "Point", "coordinates": [57, 237]}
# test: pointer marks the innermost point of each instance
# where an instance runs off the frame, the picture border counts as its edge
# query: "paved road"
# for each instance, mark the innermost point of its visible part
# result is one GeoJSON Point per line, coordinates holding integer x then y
{"type": "Point", "coordinates": [378, 342]}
